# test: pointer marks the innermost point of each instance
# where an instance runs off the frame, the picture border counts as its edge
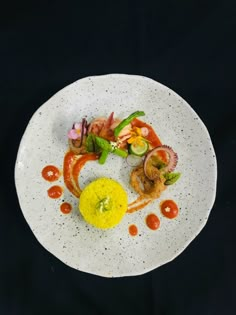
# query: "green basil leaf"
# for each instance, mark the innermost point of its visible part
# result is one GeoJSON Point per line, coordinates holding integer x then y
{"type": "Point", "coordinates": [171, 178]}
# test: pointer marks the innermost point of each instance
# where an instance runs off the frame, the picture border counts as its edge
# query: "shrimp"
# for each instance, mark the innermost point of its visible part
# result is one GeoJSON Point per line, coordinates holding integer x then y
{"type": "Point", "coordinates": [144, 186]}
{"type": "Point", "coordinates": [124, 135]}
{"type": "Point", "coordinates": [102, 127]}
{"type": "Point", "coordinates": [96, 125]}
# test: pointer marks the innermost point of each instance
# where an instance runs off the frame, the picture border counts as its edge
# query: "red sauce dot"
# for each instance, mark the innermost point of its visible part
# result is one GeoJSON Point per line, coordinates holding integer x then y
{"type": "Point", "coordinates": [133, 230]}
{"type": "Point", "coordinates": [169, 209]}
{"type": "Point", "coordinates": [66, 207]}
{"type": "Point", "coordinates": [152, 221]}
{"type": "Point", "coordinates": [55, 192]}
{"type": "Point", "coordinates": [50, 173]}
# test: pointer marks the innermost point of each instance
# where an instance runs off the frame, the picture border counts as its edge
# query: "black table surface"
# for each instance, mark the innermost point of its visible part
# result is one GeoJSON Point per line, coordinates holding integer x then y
{"type": "Point", "coordinates": [188, 46]}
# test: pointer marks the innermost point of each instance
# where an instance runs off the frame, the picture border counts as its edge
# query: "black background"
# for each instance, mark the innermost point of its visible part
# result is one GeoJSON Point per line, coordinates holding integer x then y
{"type": "Point", "coordinates": [188, 46]}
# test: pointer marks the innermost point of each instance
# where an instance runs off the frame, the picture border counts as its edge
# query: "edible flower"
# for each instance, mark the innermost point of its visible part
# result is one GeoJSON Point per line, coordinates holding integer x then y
{"type": "Point", "coordinates": [76, 131]}
{"type": "Point", "coordinates": [136, 136]}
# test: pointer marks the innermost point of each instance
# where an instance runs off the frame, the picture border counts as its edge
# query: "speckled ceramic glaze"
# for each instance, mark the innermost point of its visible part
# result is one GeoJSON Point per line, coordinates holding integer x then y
{"type": "Point", "coordinates": [113, 252]}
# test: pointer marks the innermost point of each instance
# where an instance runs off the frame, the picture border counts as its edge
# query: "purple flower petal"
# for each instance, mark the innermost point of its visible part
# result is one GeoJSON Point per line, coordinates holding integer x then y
{"type": "Point", "coordinates": [72, 134]}
{"type": "Point", "coordinates": [78, 126]}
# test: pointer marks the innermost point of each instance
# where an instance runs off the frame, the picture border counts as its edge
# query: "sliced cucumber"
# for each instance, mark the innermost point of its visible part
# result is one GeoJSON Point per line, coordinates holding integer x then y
{"type": "Point", "coordinates": [139, 147]}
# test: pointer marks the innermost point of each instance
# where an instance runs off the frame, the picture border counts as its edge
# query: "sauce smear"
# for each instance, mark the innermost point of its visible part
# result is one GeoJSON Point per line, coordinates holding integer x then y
{"type": "Point", "coordinates": [138, 204]}
{"type": "Point", "coordinates": [72, 166]}
{"type": "Point", "coordinates": [51, 173]}
{"type": "Point", "coordinates": [133, 230]}
{"type": "Point", "coordinates": [169, 209]}
{"type": "Point", "coordinates": [66, 207]}
{"type": "Point", "coordinates": [55, 192]}
{"type": "Point", "coordinates": [152, 221]}
{"type": "Point", "coordinates": [79, 164]}
{"type": "Point", "coordinates": [69, 161]}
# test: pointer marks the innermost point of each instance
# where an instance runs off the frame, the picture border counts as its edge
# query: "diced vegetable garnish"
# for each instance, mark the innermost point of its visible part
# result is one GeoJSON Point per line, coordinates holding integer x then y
{"type": "Point", "coordinates": [139, 147]}
{"type": "Point", "coordinates": [105, 145]}
{"type": "Point", "coordinates": [90, 143]}
{"type": "Point", "coordinates": [120, 152]}
{"type": "Point", "coordinates": [103, 156]}
{"type": "Point", "coordinates": [133, 160]}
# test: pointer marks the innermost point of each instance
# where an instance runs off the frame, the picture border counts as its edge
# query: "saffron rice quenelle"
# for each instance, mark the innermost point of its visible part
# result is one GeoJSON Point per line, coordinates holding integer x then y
{"type": "Point", "coordinates": [103, 203]}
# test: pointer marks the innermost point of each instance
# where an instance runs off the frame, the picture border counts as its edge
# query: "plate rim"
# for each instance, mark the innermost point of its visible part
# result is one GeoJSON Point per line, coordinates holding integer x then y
{"type": "Point", "coordinates": [214, 174]}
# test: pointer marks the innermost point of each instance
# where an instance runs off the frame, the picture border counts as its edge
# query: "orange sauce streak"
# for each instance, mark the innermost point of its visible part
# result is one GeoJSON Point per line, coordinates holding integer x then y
{"type": "Point", "coordinates": [79, 165]}
{"type": "Point", "coordinates": [69, 160]}
{"type": "Point", "coordinates": [66, 207]}
{"type": "Point", "coordinates": [152, 221]}
{"type": "Point", "coordinates": [138, 204]}
{"type": "Point", "coordinates": [133, 230]}
{"type": "Point", "coordinates": [50, 173]}
{"type": "Point", "coordinates": [71, 169]}
{"type": "Point", "coordinates": [55, 192]}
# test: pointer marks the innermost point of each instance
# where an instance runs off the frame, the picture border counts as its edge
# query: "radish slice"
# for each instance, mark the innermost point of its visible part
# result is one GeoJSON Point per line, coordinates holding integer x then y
{"type": "Point", "coordinates": [133, 160]}
{"type": "Point", "coordinates": [144, 131]}
{"type": "Point", "coordinates": [173, 159]}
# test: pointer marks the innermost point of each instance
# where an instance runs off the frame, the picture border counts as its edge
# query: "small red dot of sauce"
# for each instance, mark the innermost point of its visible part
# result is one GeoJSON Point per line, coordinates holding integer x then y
{"type": "Point", "coordinates": [152, 221]}
{"type": "Point", "coordinates": [66, 207]}
{"type": "Point", "coordinates": [169, 209]}
{"type": "Point", "coordinates": [50, 173]}
{"type": "Point", "coordinates": [133, 230]}
{"type": "Point", "coordinates": [55, 192]}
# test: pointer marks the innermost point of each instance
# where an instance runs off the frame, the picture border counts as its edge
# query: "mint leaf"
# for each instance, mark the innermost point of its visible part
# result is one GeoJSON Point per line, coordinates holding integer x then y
{"type": "Point", "coordinates": [171, 178]}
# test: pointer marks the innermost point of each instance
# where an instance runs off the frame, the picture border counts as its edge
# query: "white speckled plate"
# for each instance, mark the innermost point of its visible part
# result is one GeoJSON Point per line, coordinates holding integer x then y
{"type": "Point", "coordinates": [114, 253]}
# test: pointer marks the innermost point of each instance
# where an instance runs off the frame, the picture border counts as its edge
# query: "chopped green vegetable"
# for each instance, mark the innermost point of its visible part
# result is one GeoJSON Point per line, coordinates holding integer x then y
{"type": "Point", "coordinates": [103, 144]}
{"type": "Point", "coordinates": [120, 152]}
{"type": "Point", "coordinates": [127, 121]}
{"type": "Point", "coordinates": [103, 157]}
{"type": "Point", "coordinates": [90, 143]}
{"type": "Point", "coordinates": [171, 178]}
{"type": "Point", "coordinates": [110, 147]}
{"type": "Point", "coordinates": [139, 147]}
{"type": "Point", "coordinates": [104, 204]}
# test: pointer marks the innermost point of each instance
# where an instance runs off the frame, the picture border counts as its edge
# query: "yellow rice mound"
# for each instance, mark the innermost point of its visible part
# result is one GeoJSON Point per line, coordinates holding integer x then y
{"type": "Point", "coordinates": [103, 203]}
